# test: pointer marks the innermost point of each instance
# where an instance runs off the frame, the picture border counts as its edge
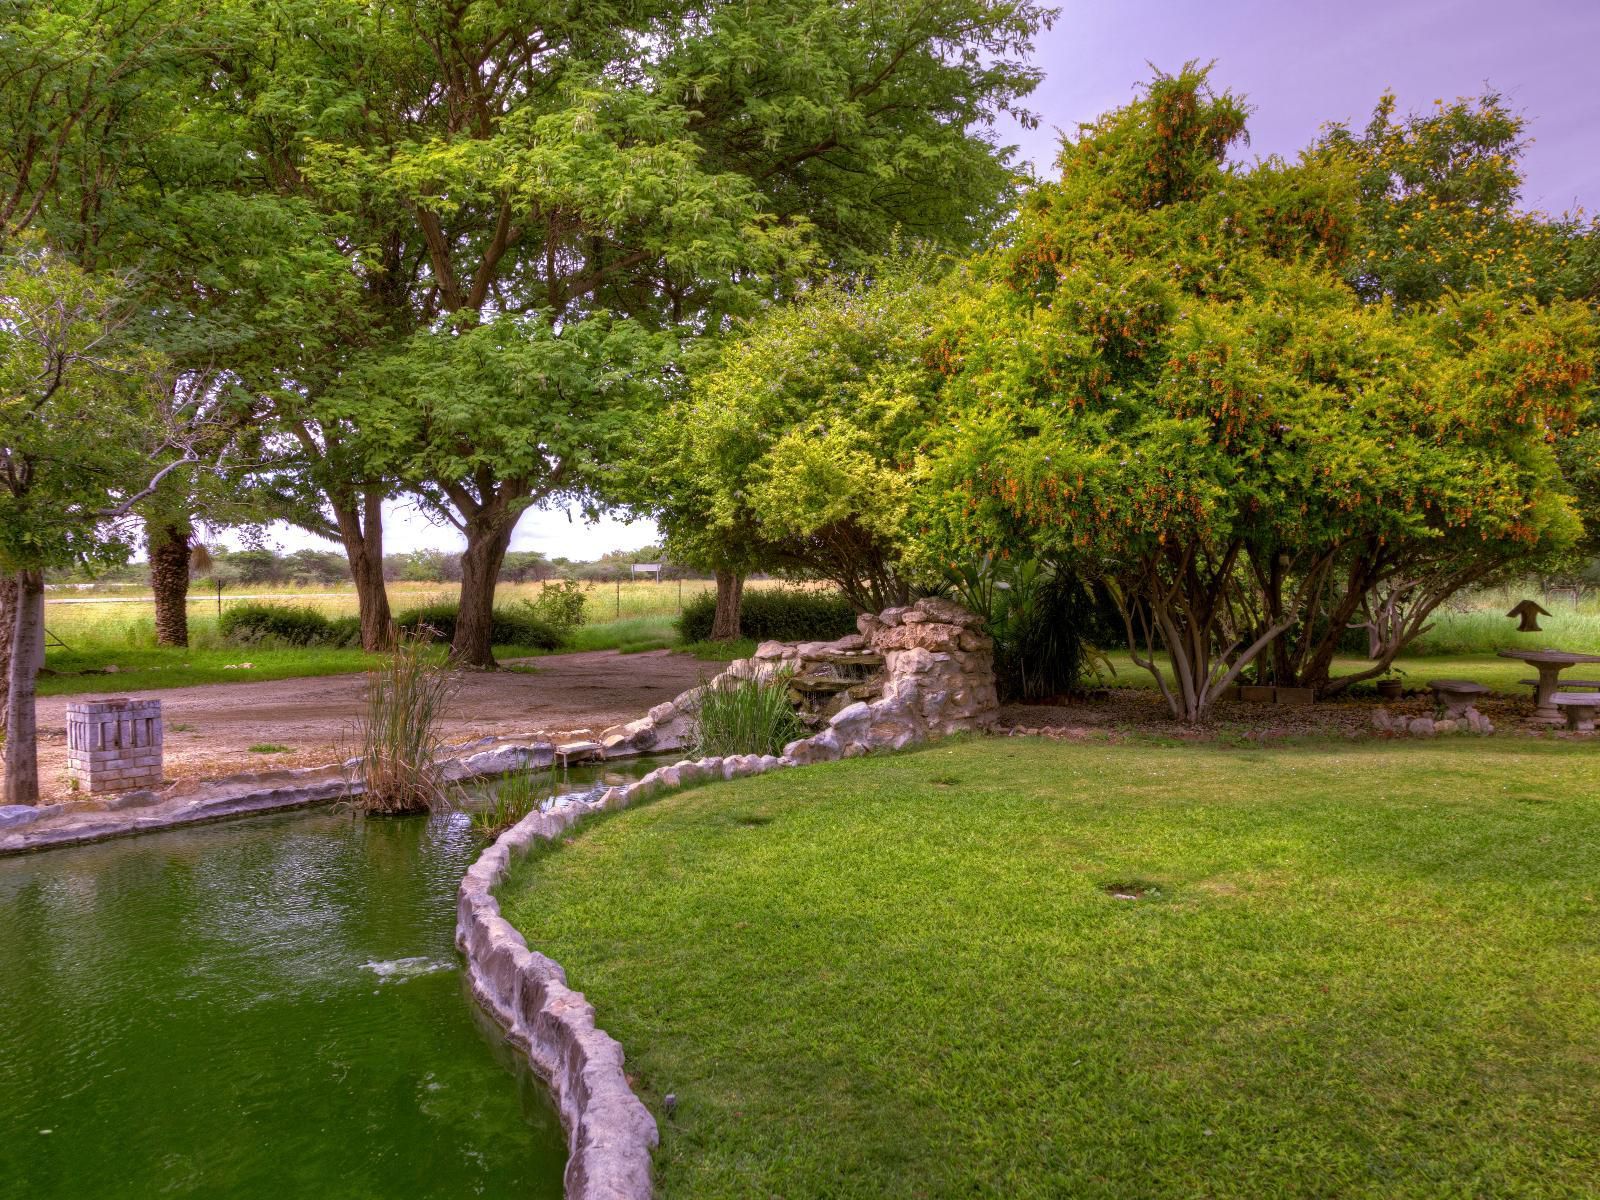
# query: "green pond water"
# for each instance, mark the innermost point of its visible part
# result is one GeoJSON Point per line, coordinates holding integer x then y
{"type": "Point", "coordinates": [270, 1007]}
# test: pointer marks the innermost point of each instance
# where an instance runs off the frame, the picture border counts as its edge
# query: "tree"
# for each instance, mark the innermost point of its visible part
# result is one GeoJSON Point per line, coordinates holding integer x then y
{"type": "Point", "coordinates": [500, 416]}
{"type": "Point", "coordinates": [79, 431]}
{"type": "Point", "coordinates": [1165, 383]}
{"type": "Point", "coordinates": [666, 163]}
{"type": "Point", "coordinates": [1441, 212]}
{"type": "Point", "coordinates": [792, 451]}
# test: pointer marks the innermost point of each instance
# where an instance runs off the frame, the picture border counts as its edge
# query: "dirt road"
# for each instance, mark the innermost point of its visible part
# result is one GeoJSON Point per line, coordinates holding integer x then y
{"type": "Point", "coordinates": [210, 729]}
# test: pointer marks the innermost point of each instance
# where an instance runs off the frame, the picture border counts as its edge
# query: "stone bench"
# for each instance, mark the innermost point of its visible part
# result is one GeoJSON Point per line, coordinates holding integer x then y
{"type": "Point", "coordinates": [1579, 708]}
{"type": "Point", "coordinates": [1591, 684]}
{"type": "Point", "coordinates": [1455, 696]}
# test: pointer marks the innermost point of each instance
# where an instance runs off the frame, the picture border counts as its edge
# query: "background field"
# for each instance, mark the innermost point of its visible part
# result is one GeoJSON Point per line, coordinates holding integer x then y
{"type": "Point", "coordinates": [92, 632]}
{"type": "Point", "coordinates": [102, 629]}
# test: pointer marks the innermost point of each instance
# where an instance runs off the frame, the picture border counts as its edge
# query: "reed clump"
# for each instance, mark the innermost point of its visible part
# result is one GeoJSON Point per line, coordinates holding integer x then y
{"type": "Point", "coordinates": [746, 716]}
{"type": "Point", "coordinates": [515, 796]}
{"type": "Point", "coordinates": [399, 731]}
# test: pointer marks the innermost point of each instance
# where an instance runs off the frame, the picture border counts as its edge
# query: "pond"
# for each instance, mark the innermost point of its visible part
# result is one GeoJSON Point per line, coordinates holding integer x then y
{"type": "Point", "coordinates": [267, 1007]}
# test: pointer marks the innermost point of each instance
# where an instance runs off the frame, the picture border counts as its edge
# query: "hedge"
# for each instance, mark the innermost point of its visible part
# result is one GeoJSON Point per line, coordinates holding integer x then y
{"type": "Point", "coordinates": [774, 614]}
{"type": "Point", "coordinates": [293, 625]}
{"type": "Point", "coordinates": [518, 626]}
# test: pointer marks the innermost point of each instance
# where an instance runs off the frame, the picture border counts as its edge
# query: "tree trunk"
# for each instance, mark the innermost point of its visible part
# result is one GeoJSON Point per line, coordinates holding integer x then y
{"type": "Point", "coordinates": [488, 537]}
{"type": "Point", "coordinates": [169, 580]}
{"type": "Point", "coordinates": [730, 595]}
{"type": "Point", "coordinates": [361, 530]}
{"type": "Point", "coordinates": [8, 622]}
{"type": "Point", "coordinates": [27, 650]}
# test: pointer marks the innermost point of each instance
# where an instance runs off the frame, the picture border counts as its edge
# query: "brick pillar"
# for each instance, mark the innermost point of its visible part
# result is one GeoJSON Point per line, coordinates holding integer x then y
{"type": "Point", "coordinates": [114, 745]}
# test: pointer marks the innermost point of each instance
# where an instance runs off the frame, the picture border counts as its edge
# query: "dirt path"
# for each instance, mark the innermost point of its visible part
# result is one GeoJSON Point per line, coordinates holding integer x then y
{"type": "Point", "coordinates": [210, 729]}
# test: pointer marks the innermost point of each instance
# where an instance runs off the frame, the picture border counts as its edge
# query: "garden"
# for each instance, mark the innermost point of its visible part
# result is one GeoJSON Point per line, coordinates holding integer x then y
{"type": "Point", "coordinates": [1105, 713]}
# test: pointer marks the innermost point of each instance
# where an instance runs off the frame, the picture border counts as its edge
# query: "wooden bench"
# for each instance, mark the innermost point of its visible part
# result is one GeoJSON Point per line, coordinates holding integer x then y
{"type": "Point", "coordinates": [1579, 708]}
{"type": "Point", "coordinates": [1455, 696]}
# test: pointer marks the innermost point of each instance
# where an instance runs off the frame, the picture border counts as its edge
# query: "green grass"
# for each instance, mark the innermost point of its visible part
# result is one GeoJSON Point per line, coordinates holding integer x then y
{"type": "Point", "coordinates": [270, 748]}
{"type": "Point", "coordinates": [1364, 970]}
{"type": "Point", "coordinates": [141, 668]}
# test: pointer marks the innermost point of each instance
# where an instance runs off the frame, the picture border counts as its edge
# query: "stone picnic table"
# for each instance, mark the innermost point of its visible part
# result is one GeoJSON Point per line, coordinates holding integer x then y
{"type": "Point", "coordinates": [1549, 664]}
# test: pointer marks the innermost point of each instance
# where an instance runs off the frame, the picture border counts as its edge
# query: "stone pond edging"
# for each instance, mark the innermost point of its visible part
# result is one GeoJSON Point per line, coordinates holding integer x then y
{"type": "Point", "coordinates": [938, 679]}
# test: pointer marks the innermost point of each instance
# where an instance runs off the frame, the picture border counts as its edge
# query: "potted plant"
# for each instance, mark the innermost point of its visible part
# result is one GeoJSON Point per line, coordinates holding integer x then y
{"type": "Point", "coordinates": [1390, 684]}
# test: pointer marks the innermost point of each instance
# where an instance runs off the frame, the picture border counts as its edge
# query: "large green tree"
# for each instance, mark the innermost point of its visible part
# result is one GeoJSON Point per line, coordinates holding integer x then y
{"type": "Point", "coordinates": [1166, 382]}
{"type": "Point", "coordinates": [792, 451]}
{"type": "Point", "coordinates": [668, 163]}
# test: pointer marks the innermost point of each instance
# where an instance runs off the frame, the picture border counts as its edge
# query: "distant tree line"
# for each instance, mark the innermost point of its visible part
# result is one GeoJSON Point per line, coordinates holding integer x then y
{"type": "Point", "coordinates": [305, 568]}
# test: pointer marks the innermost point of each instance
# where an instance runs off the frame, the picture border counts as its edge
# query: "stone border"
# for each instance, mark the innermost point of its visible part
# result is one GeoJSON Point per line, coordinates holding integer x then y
{"type": "Point", "coordinates": [939, 680]}
{"type": "Point", "coordinates": [610, 1133]}
{"type": "Point", "coordinates": [252, 793]}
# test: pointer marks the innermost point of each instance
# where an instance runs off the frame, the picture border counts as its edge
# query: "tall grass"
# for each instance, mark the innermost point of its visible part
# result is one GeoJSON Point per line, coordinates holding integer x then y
{"type": "Point", "coordinates": [746, 717]}
{"type": "Point", "coordinates": [515, 796]}
{"type": "Point", "coordinates": [399, 731]}
{"type": "Point", "coordinates": [1486, 630]}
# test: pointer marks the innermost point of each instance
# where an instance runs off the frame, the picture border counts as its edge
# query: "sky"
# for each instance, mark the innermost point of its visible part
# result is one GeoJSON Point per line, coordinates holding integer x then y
{"type": "Point", "coordinates": [1299, 64]}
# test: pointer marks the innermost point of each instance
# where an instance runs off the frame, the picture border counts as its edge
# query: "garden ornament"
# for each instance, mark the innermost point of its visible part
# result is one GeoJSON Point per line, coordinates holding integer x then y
{"type": "Point", "coordinates": [1528, 612]}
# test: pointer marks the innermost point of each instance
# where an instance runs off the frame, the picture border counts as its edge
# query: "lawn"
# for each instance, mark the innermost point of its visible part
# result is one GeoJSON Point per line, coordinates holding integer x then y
{"type": "Point", "coordinates": [1350, 970]}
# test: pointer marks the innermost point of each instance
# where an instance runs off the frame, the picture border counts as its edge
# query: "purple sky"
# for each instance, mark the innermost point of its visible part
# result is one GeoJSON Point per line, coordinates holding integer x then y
{"type": "Point", "coordinates": [1301, 64]}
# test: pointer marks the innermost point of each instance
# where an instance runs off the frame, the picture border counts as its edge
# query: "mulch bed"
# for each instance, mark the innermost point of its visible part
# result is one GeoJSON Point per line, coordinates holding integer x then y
{"type": "Point", "coordinates": [1115, 714]}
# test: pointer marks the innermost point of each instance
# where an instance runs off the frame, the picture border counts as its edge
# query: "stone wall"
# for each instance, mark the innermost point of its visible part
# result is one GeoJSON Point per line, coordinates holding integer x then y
{"type": "Point", "coordinates": [912, 673]}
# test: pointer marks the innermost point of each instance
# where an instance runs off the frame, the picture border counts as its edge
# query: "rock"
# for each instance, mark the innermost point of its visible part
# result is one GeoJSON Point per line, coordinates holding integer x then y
{"type": "Point", "coordinates": [1382, 721]}
{"type": "Point", "coordinates": [947, 612]}
{"type": "Point", "coordinates": [768, 650]}
{"type": "Point", "coordinates": [1446, 725]}
{"type": "Point", "coordinates": [975, 642]}
{"type": "Point", "coordinates": [891, 616]}
{"type": "Point", "coordinates": [825, 747]}
{"type": "Point", "coordinates": [663, 711]}
{"type": "Point", "coordinates": [858, 713]}
{"type": "Point", "coordinates": [1420, 727]}
{"type": "Point", "coordinates": [13, 815]}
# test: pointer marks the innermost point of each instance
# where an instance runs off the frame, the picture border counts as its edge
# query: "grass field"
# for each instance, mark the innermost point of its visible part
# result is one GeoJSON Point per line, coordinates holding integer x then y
{"type": "Point", "coordinates": [1021, 969]}
{"type": "Point", "coordinates": [105, 632]}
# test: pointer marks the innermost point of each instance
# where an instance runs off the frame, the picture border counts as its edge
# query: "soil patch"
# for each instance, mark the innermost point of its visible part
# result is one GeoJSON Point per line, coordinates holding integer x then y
{"type": "Point", "coordinates": [211, 729]}
{"type": "Point", "coordinates": [1121, 713]}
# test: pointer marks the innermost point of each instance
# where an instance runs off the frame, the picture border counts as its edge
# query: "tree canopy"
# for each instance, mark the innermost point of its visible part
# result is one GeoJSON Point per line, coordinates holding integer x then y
{"type": "Point", "coordinates": [1164, 379]}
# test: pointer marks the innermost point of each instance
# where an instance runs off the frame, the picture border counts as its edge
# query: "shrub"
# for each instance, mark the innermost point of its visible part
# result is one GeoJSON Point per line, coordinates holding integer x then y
{"type": "Point", "coordinates": [774, 614]}
{"type": "Point", "coordinates": [512, 626]}
{"type": "Point", "coordinates": [747, 717]}
{"type": "Point", "coordinates": [1040, 620]}
{"type": "Point", "coordinates": [405, 700]}
{"type": "Point", "coordinates": [294, 625]}
{"type": "Point", "coordinates": [559, 605]}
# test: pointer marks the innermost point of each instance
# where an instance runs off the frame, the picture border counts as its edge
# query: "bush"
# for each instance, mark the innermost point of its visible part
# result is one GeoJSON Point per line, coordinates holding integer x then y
{"type": "Point", "coordinates": [517, 626]}
{"type": "Point", "coordinates": [747, 717]}
{"type": "Point", "coordinates": [774, 614]}
{"type": "Point", "coordinates": [1040, 620]}
{"type": "Point", "coordinates": [248, 624]}
{"type": "Point", "coordinates": [559, 605]}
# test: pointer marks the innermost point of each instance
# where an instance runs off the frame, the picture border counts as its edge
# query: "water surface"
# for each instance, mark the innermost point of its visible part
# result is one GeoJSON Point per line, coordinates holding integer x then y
{"type": "Point", "coordinates": [262, 1008]}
